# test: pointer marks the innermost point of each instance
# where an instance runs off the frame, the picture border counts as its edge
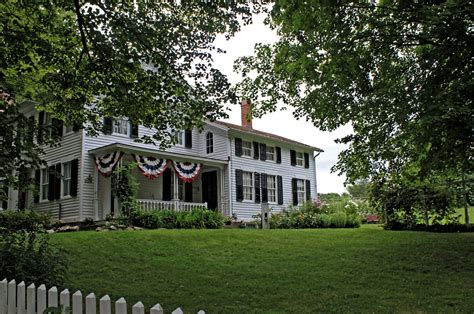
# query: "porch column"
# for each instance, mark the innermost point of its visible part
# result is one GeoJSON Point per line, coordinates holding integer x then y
{"type": "Point", "coordinates": [175, 191]}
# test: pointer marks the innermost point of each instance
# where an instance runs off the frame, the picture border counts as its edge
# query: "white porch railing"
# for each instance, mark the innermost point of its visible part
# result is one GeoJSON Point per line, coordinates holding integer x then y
{"type": "Point", "coordinates": [170, 205]}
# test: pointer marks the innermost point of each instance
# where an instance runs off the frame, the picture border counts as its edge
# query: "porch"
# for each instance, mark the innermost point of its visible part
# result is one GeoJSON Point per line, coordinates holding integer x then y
{"type": "Point", "coordinates": [166, 187]}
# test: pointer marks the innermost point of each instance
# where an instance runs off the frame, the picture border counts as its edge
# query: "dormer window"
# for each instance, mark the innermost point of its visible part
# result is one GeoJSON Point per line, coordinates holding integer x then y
{"type": "Point", "coordinates": [178, 136]}
{"type": "Point", "coordinates": [121, 126]}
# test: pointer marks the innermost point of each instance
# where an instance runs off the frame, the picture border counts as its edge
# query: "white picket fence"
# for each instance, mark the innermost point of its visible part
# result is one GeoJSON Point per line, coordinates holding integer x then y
{"type": "Point", "coordinates": [19, 299]}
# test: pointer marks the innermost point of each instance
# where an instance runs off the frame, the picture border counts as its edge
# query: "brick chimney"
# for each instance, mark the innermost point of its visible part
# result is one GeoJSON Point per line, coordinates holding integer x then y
{"type": "Point", "coordinates": [246, 113]}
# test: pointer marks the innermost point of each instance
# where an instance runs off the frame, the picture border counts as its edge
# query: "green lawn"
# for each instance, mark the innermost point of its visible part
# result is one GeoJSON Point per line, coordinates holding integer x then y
{"type": "Point", "coordinates": [232, 270]}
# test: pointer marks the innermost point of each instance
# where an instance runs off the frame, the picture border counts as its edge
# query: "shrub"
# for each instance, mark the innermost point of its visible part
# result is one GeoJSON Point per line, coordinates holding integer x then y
{"type": "Point", "coordinates": [296, 219]}
{"type": "Point", "coordinates": [325, 220]}
{"type": "Point", "coordinates": [197, 218]}
{"type": "Point", "coordinates": [338, 220]}
{"type": "Point", "coordinates": [29, 257]}
{"type": "Point", "coordinates": [24, 220]}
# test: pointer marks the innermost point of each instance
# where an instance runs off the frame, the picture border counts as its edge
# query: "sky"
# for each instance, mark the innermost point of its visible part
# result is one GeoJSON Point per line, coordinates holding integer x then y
{"type": "Point", "coordinates": [282, 122]}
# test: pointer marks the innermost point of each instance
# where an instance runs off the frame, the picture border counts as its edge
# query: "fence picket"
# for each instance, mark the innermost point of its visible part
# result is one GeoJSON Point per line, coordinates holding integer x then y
{"type": "Point", "coordinates": [12, 297]}
{"type": "Point", "coordinates": [65, 300]}
{"type": "Point", "coordinates": [77, 302]}
{"type": "Point", "coordinates": [138, 308]}
{"type": "Point", "coordinates": [31, 299]}
{"type": "Point", "coordinates": [53, 297]}
{"type": "Point", "coordinates": [121, 306]}
{"type": "Point", "coordinates": [20, 298]}
{"type": "Point", "coordinates": [105, 305]}
{"type": "Point", "coordinates": [41, 298]}
{"type": "Point", "coordinates": [156, 309]}
{"type": "Point", "coordinates": [91, 304]}
{"type": "Point", "coordinates": [3, 296]}
{"type": "Point", "coordinates": [177, 311]}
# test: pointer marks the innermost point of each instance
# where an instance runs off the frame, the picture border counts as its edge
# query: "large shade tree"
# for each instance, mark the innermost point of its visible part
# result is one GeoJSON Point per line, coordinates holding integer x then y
{"type": "Point", "coordinates": [399, 72]}
{"type": "Point", "coordinates": [149, 61]}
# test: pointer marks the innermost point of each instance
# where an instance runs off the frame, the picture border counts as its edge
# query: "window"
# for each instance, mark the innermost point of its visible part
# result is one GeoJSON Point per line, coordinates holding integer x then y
{"type": "Point", "coordinates": [66, 179]}
{"type": "Point", "coordinates": [209, 143]}
{"type": "Point", "coordinates": [47, 126]}
{"type": "Point", "coordinates": [178, 136]}
{"type": "Point", "coordinates": [68, 129]}
{"type": "Point", "coordinates": [248, 185]}
{"type": "Point", "coordinates": [300, 189]}
{"type": "Point", "coordinates": [299, 159]}
{"type": "Point", "coordinates": [246, 148]}
{"type": "Point", "coordinates": [120, 126]}
{"type": "Point", "coordinates": [272, 189]}
{"type": "Point", "coordinates": [44, 184]}
{"type": "Point", "coordinates": [270, 153]}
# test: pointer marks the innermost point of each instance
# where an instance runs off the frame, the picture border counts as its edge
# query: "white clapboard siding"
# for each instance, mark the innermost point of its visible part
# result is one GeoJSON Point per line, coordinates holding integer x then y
{"type": "Point", "coordinates": [17, 299]}
{"type": "Point", "coordinates": [246, 209]}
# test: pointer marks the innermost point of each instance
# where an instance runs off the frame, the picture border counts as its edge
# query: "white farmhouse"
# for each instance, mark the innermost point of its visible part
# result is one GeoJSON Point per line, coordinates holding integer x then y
{"type": "Point", "coordinates": [226, 167]}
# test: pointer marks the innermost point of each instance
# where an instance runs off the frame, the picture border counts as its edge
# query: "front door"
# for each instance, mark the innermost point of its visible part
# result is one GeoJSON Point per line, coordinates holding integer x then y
{"type": "Point", "coordinates": [209, 189]}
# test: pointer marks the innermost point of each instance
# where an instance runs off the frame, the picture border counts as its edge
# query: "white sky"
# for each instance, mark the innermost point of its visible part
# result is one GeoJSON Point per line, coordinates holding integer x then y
{"type": "Point", "coordinates": [282, 122]}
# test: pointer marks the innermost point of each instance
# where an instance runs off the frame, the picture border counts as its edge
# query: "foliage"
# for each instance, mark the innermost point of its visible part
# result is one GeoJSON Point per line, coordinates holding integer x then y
{"type": "Point", "coordinates": [398, 72]}
{"type": "Point", "coordinates": [29, 257]}
{"type": "Point", "coordinates": [195, 219]}
{"type": "Point", "coordinates": [324, 270]}
{"type": "Point", "coordinates": [125, 188]}
{"type": "Point", "coordinates": [296, 219]}
{"type": "Point", "coordinates": [24, 220]}
{"type": "Point", "coordinates": [85, 60]}
{"type": "Point", "coordinates": [359, 189]}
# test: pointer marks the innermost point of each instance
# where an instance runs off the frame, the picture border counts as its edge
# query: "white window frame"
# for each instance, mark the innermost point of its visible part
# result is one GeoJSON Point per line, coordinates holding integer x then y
{"type": "Point", "coordinates": [301, 190]}
{"type": "Point", "coordinates": [121, 127]}
{"type": "Point", "coordinates": [274, 189]}
{"type": "Point", "coordinates": [209, 143]}
{"type": "Point", "coordinates": [247, 189]}
{"type": "Point", "coordinates": [44, 184]}
{"type": "Point", "coordinates": [272, 154]}
{"type": "Point", "coordinates": [179, 135]}
{"type": "Point", "coordinates": [299, 159]}
{"type": "Point", "coordinates": [247, 151]}
{"type": "Point", "coordinates": [66, 179]}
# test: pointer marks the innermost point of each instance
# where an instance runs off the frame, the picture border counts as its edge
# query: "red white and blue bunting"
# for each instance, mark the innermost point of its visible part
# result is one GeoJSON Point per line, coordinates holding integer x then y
{"type": "Point", "coordinates": [151, 167]}
{"type": "Point", "coordinates": [187, 171]}
{"type": "Point", "coordinates": [106, 163]}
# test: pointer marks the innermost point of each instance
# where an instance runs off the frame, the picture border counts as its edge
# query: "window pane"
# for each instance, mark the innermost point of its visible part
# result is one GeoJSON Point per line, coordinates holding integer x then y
{"type": "Point", "coordinates": [121, 126]}
{"type": "Point", "coordinates": [246, 148]}
{"type": "Point", "coordinates": [248, 185]}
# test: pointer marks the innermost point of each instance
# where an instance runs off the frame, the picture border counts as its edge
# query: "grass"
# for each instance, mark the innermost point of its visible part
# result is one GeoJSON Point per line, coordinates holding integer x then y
{"type": "Point", "coordinates": [232, 270]}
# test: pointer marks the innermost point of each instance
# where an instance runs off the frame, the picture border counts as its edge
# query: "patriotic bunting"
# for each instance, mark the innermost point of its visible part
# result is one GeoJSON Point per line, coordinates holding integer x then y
{"type": "Point", "coordinates": [187, 171]}
{"type": "Point", "coordinates": [106, 163]}
{"type": "Point", "coordinates": [151, 167]}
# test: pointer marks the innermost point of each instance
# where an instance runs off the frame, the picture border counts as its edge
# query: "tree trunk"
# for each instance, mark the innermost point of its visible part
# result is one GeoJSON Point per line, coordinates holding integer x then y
{"type": "Point", "coordinates": [464, 193]}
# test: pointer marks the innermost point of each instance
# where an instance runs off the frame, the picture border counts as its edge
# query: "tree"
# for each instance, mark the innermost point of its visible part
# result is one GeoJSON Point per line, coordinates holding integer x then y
{"type": "Point", "coordinates": [359, 189]}
{"type": "Point", "coordinates": [149, 61]}
{"type": "Point", "coordinates": [399, 72]}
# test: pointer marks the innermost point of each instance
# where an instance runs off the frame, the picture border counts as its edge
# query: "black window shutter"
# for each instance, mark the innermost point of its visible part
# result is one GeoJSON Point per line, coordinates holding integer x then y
{"type": "Point", "coordinates": [293, 157]}
{"type": "Point", "coordinates": [133, 130]}
{"type": "Point", "coordinates": [263, 152]}
{"type": "Point", "coordinates": [52, 179]}
{"type": "Point", "coordinates": [306, 160]}
{"type": "Point", "coordinates": [40, 126]}
{"type": "Point", "coordinates": [37, 186]}
{"type": "Point", "coordinates": [238, 147]}
{"type": "Point", "coordinates": [256, 154]}
{"type": "Point", "coordinates": [280, 189]}
{"type": "Point", "coordinates": [57, 127]}
{"type": "Point", "coordinates": [188, 192]}
{"type": "Point", "coordinates": [188, 139]}
{"type": "Point", "coordinates": [74, 177]}
{"type": "Point", "coordinates": [264, 188]}
{"type": "Point", "coordinates": [76, 126]}
{"type": "Point", "coordinates": [294, 188]}
{"type": "Point", "coordinates": [108, 125]}
{"type": "Point", "coordinates": [278, 155]}
{"type": "Point", "coordinates": [257, 187]}
{"type": "Point", "coordinates": [308, 190]}
{"type": "Point", "coordinates": [167, 185]}
{"type": "Point", "coordinates": [239, 185]}
{"type": "Point", "coordinates": [57, 181]}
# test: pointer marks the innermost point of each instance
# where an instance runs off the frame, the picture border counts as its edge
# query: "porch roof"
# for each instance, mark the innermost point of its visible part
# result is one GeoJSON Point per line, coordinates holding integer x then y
{"type": "Point", "coordinates": [148, 151]}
